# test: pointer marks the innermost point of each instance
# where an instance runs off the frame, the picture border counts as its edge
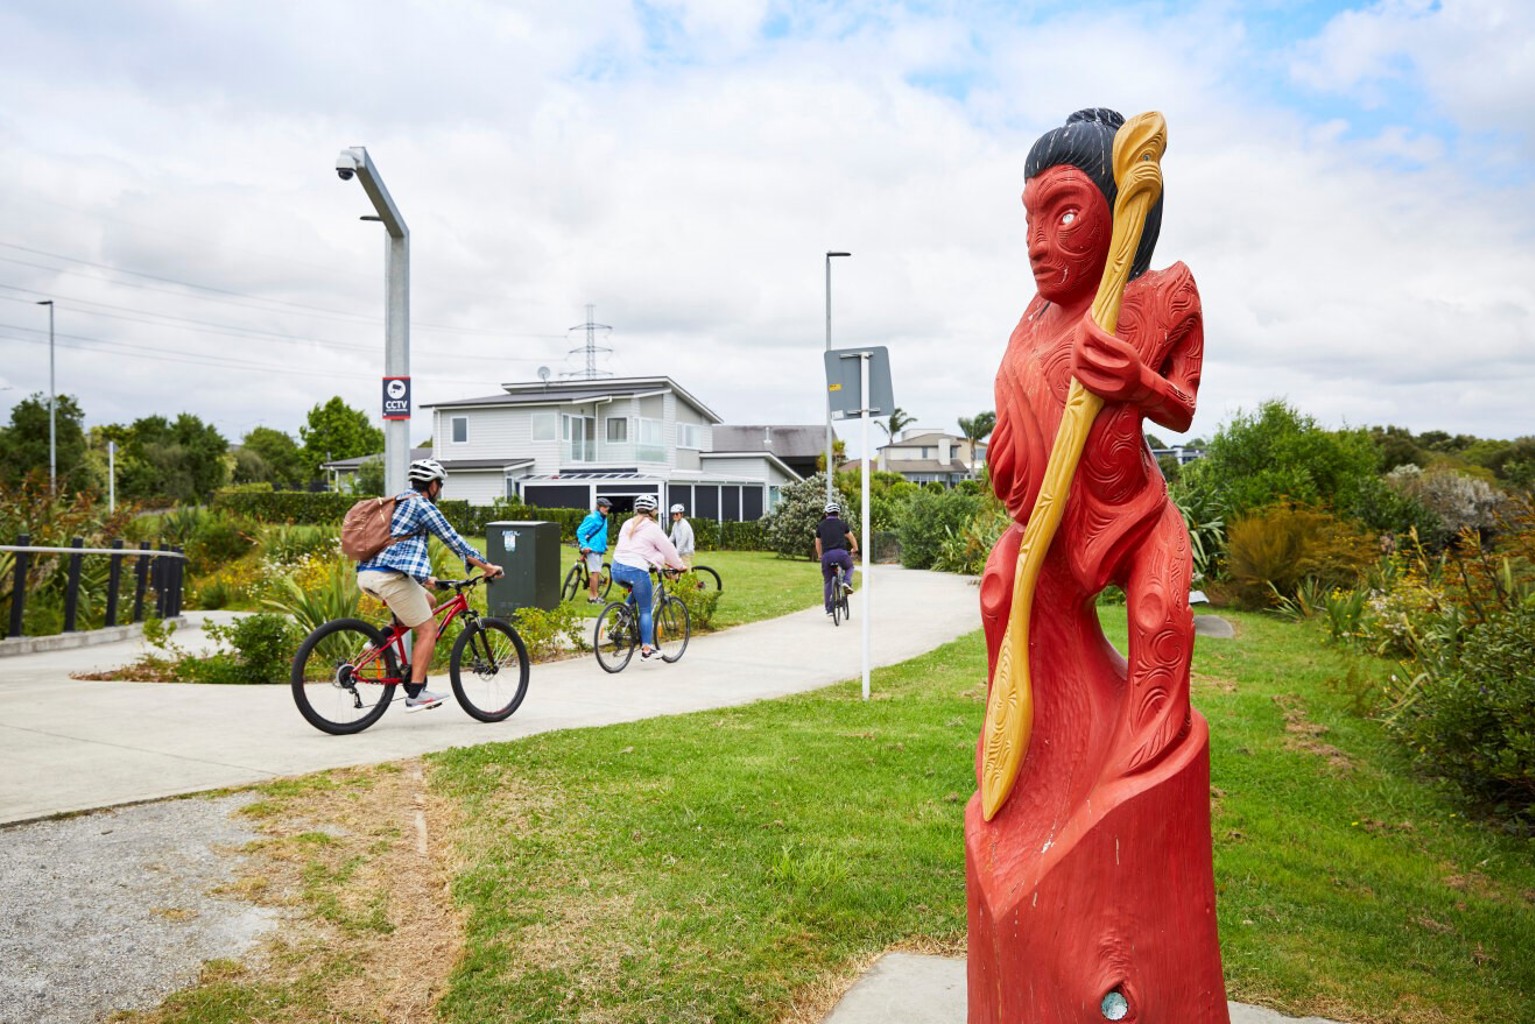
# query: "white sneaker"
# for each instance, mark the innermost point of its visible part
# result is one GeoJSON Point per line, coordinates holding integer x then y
{"type": "Point", "coordinates": [423, 700]}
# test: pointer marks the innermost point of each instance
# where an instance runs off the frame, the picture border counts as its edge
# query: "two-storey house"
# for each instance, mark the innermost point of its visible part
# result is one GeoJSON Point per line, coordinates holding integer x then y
{"type": "Point", "coordinates": [562, 444]}
{"type": "Point", "coordinates": [924, 456]}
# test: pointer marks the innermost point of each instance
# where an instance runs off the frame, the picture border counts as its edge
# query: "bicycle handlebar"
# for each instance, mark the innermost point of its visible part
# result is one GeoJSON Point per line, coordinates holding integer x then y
{"type": "Point", "coordinates": [472, 581]}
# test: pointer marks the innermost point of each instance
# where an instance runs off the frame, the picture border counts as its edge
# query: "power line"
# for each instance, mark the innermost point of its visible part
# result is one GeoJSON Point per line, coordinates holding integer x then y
{"type": "Point", "coordinates": [226, 295]}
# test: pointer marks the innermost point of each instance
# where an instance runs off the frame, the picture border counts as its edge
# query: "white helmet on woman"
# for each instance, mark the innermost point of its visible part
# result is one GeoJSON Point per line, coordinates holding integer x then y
{"type": "Point", "coordinates": [678, 508]}
{"type": "Point", "coordinates": [645, 503]}
{"type": "Point", "coordinates": [426, 470]}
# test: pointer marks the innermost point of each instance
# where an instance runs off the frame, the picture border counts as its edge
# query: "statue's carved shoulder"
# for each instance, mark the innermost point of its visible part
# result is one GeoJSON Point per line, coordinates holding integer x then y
{"type": "Point", "coordinates": [1167, 297]}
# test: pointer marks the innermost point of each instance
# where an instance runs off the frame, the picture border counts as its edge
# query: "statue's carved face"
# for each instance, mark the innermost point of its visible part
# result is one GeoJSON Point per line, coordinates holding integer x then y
{"type": "Point", "coordinates": [1069, 228]}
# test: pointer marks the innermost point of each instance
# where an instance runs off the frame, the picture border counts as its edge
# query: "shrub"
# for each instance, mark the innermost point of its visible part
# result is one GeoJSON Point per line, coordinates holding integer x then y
{"type": "Point", "coordinates": [929, 519]}
{"type": "Point", "coordinates": [1475, 724]}
{"type": "Point", "coordinates": [261, 651]}
{"type": "Point", "coordinates": [215, 539]}
{"type": "Point", "coordinates": [550, 634]}
{"type": "Point", "coordinates": [966, 550]}
{"type": "Point", "coordinates": [790, 528]}
{"type": "Point", "coordinates": [1271, 552]}
{"type": "Point", "coordinates": [700, 603]}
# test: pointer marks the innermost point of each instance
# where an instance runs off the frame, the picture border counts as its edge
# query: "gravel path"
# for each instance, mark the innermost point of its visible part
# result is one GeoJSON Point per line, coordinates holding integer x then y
{"type": "Point", "coordinates": [112, 911]}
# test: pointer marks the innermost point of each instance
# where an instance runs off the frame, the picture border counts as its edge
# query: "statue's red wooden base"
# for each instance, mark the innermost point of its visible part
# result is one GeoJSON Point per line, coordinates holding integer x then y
{"type": "Point", "coordinates": [1090, 880]}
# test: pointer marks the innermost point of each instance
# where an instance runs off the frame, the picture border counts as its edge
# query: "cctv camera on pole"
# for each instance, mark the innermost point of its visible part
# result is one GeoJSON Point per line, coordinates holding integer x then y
{"type": "Point", "coordinates": [354, 162]}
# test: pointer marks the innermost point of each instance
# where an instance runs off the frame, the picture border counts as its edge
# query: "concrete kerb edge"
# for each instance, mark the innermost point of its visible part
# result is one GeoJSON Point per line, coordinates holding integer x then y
{"type": "Point", "coordinates": [67, 641]}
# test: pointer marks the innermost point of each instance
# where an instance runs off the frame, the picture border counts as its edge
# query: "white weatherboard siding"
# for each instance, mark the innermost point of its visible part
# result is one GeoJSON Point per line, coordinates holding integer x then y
{"type": "Point", "coordinates": [475, 486]}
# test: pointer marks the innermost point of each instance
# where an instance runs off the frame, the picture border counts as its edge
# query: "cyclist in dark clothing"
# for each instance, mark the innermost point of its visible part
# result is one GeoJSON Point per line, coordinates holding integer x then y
{"type": "Point", "coordinates": [834, 546]}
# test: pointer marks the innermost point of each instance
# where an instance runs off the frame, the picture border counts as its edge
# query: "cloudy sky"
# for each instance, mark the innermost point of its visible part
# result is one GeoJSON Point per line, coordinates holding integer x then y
{"type": "Point", "coordinates": [1350, 183]}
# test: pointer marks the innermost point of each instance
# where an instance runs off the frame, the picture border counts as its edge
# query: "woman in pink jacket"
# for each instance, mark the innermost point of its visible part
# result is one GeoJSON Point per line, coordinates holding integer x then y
{"type": "Point", "coordinates": [641, 544]}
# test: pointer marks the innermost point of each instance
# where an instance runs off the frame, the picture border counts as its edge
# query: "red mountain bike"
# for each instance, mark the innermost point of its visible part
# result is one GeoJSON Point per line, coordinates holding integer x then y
{"type": "Point", "coordinates": [345, 672]}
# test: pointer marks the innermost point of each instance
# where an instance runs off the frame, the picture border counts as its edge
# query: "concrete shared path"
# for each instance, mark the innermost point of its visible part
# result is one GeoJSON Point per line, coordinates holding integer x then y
{"type": "Point", "coordinates": [74, 745]}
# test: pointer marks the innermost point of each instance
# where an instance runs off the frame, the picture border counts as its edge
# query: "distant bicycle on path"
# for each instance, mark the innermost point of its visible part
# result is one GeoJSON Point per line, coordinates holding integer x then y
{"type": "Point", "coordinates": [842, 586]}
{"type": "Point", "coordinates": [346, 672]}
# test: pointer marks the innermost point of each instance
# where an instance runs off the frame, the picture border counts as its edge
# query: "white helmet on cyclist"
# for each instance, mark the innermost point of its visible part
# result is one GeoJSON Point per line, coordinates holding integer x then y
{"type": "Point", "coordinates": [646, 503]}
{"type": "Point", "coordinates": [678, 508]}
{"type": "Point", "coordinates": [426, 470]}
{"type": "Point", "coordinates": [832, 509]}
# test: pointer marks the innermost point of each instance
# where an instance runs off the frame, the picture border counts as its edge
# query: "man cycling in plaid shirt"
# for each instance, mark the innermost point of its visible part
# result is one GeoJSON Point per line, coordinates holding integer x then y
{"type": "Point", "coordinates": [395, 575]}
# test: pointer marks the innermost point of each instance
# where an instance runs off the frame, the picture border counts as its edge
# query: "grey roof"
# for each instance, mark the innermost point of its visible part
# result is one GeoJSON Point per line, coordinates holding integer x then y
{"type": "Point", "coordinates": [567, 392]}
{"type": "Point", "coordinates": [345, 464]}
{"type": "Point", "coordinates": [452, 465]}
{"type": "Point", "coordinates": [927, 466]}
{"type": "Point", "coordinates": [920, 440]}
{"type": "Point", "coordinates": [787, 441]}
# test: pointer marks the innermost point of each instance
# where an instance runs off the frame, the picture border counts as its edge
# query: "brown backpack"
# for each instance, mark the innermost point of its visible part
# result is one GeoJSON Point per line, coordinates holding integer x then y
{"type": "Point", "coordinates": [365, 529]}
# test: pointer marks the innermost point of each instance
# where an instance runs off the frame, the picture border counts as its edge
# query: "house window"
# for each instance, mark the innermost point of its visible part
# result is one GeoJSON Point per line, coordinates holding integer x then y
{"type": "Point", "coordinates": [460, 429]}
{"type": "Point", "coordinates": [618, 430]}
{"type": "Point", "coordinates": [580, 436]}
{"type": "Point", "coordinates": [927, 453]}
{"type": "Point", "coordinates": [652, 446]}
{"type": "Point", "coordinates": [687, 435]}
{"type": "Point", "coordinates": [546, 426]}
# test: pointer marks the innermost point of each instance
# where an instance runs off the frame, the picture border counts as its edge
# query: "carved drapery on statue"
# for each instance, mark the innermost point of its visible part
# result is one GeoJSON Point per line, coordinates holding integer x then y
{"type": "Point", "coordinates": [1088, 855]}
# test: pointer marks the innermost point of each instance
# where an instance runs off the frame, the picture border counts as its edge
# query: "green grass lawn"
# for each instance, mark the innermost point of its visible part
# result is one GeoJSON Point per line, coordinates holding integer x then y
{"type": "Point", "coordinates": [736, 865]}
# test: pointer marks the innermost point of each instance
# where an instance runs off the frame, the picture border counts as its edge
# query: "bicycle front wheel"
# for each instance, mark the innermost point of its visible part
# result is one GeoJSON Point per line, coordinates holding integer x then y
{"type": "Point", "coordinates": [607, 581]}
{"type": "Point", "coordinates": [344, 677]}
{"type": "Point", "coordinates": [707, 578]}
{"type": "Point", "coordinates": [672, 629]}
{"type": "Point", "coordinates": [489, 670]}
{"type": "Point", "coordinates": [615, 637]}
{"type": "Point", "coordinates": [572, 583]}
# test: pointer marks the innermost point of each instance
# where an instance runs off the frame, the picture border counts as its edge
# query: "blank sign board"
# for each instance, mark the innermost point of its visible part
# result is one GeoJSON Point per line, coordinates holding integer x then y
{"type": "Point", "coordinates": [844, 382]}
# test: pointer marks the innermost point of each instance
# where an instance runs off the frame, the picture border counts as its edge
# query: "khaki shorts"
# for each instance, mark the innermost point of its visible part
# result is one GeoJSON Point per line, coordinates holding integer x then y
{"type": "Point", "coordinates": [404, 596]}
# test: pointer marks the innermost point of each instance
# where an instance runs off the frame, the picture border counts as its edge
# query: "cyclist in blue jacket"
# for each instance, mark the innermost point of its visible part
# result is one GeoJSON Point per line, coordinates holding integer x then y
{"type": "Point", "coordinates": [592, 539]}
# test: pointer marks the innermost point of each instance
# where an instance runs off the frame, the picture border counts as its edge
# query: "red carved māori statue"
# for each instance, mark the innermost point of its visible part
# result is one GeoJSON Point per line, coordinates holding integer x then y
{"type": "Point", "coordinates": [1087, 847]}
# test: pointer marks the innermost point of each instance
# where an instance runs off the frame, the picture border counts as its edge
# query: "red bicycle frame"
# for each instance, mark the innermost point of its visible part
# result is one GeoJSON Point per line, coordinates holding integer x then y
{"type": "Point", "coordinates": [396, 634]}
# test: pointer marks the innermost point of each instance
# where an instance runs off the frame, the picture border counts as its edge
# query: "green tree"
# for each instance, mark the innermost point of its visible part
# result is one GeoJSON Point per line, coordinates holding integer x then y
{"type": "Point", "coordinates": [370, 479]}
{"type": "Point", "coordinates": [24, 444]}
{"type": "Point", "coordinates": [976, 429]}
{"type": "Point", "coordinates": [335, 430]}
{"type": "Point", "coordinates": [181, 459]}
{"type": "Point", "coordinates": [282, 462]}
{"type": "Point", "coordinates": [1277, 454]}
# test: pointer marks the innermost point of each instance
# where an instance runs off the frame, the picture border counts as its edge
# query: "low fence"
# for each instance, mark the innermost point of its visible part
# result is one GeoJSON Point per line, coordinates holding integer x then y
{"type": "Point", "coordinates": [158, 570]}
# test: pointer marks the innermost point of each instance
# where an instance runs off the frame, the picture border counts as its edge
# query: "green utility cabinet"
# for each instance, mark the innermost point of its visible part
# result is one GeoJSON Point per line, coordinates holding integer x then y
{"type": "Point", "coordinates": [530, 554]}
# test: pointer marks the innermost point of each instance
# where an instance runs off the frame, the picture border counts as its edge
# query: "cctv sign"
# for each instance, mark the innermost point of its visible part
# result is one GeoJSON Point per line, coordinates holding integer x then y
{"type": "Point", "coordinates": [396, 398]}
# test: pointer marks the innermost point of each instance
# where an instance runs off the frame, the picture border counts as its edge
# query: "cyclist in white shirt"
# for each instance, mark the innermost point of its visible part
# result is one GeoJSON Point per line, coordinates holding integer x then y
{"type": "Point", "coordinates": [682, 534]}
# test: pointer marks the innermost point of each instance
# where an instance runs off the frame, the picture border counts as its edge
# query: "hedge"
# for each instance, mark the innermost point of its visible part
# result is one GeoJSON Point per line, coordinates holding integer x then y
{"type": "Point", "coordinates": [328, 508]}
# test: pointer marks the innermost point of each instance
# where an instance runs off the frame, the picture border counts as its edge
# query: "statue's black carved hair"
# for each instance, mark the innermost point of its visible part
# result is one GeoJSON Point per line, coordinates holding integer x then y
{"type": "Point", "coordinates": [1086, 142]}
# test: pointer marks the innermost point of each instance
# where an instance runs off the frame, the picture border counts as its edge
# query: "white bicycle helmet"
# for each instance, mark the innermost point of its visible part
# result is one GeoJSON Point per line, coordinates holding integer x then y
{"type": "Point", "coordinates": [679, 508]}
{"type": "Point", "coordinates": [832, 509]}
{"type": "Point", "coordinates": [426, 470]}
{"type": "Point", "coordinates": [646, 503]}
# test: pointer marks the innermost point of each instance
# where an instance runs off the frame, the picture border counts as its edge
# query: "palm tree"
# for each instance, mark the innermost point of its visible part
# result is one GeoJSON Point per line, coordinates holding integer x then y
{"type": "Point", "coordinates": [899, 421]}
{"type": "Point", "coordinates": [975, 428]}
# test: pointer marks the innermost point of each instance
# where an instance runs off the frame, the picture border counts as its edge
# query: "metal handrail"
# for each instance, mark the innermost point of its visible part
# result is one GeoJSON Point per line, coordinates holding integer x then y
{"type": "Point", "coordinates": [94, 551]}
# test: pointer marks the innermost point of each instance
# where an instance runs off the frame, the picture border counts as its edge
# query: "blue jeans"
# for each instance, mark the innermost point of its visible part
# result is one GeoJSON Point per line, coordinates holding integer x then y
{"type": "Point", "coordinates": [832, 558]}
{"type": "Point", "coordinates": [639, 579]}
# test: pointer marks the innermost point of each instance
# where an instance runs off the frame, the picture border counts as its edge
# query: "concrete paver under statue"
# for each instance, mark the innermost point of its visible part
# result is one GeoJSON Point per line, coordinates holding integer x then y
{"type": "Point", "coordinates": [74, 745]}
{"type": "Point", "coordinates": [904, 988]}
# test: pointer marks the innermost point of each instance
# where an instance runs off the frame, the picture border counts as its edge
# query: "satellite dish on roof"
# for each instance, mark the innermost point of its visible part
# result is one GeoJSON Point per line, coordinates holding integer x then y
{"type": "Point", "coordinates": [543, 373]}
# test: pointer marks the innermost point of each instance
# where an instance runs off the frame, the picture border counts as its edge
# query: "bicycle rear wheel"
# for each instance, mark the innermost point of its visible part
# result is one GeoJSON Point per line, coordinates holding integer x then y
{"type": "Point", "coordinates": [615, 637]}
{"type": "Point", "coordinates": [673, 629]}
{"type": "Point", "coordinates": [836, 599]}
{"type": "Point", "coordinates": [341, 677]}
{"type": "Point", "coordinates": [708, 579]}
{"type": "Point", "coordinates": [489, 670]}
{"type": "Point", "coordinates": [572, 584]}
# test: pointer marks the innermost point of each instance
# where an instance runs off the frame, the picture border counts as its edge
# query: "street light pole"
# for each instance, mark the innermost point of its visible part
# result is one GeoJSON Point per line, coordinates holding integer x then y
{"type": "Point", "coordinates": [355, 161]}
{"type": "Point", "coordinates": [53, 403]}
{"type": "Point", "coordinates": [830, 466]}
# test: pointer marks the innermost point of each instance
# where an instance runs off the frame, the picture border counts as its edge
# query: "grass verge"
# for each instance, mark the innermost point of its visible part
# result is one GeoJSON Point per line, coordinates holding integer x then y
{"type": "Point", "coordinates": [745, 864]}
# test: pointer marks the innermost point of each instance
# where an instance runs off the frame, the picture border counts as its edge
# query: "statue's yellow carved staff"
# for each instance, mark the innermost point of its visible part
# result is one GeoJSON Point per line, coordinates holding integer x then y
{"type": "Point", "coordinates": [1138, 148]}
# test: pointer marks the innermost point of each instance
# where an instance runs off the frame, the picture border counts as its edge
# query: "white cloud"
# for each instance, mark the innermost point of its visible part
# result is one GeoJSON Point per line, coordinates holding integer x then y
{"type": "Point", "coordinates": [686, 177]}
